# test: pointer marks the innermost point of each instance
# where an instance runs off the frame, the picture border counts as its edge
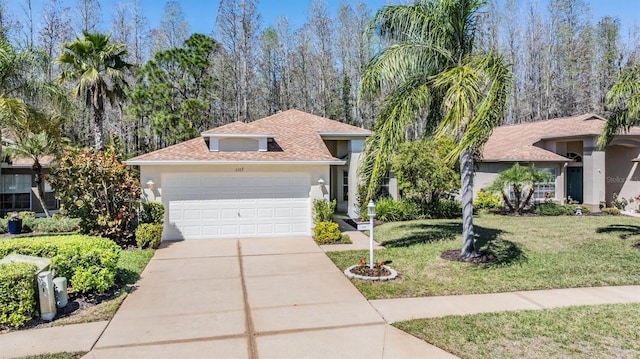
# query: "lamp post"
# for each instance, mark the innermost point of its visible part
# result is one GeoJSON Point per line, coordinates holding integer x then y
{"type": "Point", "coordinates": [371, 211]}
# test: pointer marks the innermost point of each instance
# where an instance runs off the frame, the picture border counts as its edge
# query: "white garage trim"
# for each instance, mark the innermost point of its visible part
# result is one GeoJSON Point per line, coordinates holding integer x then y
{"type": "Point", "coordinates": [206, 205]}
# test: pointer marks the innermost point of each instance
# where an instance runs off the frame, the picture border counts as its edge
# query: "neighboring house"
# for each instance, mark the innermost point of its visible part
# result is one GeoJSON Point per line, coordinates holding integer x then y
{"type": "Point", "coordinates": [254, 179]}
{"type": "Point", "coordinates": [566, 147]}
{"type": "Point", "coordinates": [18, 190]}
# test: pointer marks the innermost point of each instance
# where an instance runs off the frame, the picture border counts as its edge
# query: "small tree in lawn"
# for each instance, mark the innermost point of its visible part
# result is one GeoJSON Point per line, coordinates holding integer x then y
{"type": "Point", "coordinates": [423, 174]}
{"type": "Point", "coordinates": [100, 190]}
{"type": "Point", "coordinates": [521, 180]}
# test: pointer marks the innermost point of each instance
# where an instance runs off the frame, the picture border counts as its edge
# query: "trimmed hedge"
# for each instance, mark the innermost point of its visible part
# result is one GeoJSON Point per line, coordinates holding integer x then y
{"type": "Point", "coordinates": [45, 225]}
{"type": "Point", "coordinates": [89, 263]}
{"type": "Point", "coordinates": [17, 293]}
{"type": "Point", "coordinates": [149, 235]}
{"type": "Point", "coordinates": [329, 232]}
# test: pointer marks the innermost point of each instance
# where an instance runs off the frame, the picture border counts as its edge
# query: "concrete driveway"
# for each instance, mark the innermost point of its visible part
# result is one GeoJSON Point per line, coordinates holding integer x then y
{"type": "Point", "coordinates": [250, 298]}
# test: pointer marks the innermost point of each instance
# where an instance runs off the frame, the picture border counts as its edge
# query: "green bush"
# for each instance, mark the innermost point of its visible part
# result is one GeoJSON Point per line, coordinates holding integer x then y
{"type": "Point", "coordinates": [58, 224]}
{"type": "Point", "coordinates": [391, 210]}
{"type": "Point", "coordinates": [88, 262]}
{"type": "Point", "coordinates": [613, 211]}
{"type": "Point", "coordinates": [329, 232]}
{"type": "Point", "coordinates": [443, 209]}
{"type": "Point", "coordinates": [149, 235]}
{"type": "Point", "coordinates": [152, 212]}
{"type": "Point", "coordinates": [100, 190]}
{"type": "Point", "coordinates": [17, 293]}
{"type": "Point", "coordinates": [323, 210]}
{"type": "Point", "coordinates": [553, 209]}
{"type": "Point", "coordinates": [487, 200]}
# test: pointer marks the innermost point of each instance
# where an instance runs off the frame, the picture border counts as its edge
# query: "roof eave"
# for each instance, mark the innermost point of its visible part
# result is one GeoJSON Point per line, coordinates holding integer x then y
{"type": "Point", "coordinates": [232, 162]}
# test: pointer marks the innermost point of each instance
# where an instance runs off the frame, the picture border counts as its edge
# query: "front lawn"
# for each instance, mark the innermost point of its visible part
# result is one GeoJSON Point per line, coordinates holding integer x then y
{"type": "Point", "coordinates": [533, 253]}
{"type": "Point", "coordinates": [601, 331]}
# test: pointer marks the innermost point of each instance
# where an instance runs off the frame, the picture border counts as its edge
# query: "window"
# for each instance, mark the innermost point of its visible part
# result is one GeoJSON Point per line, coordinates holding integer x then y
{"type": "Point", "coordinates": [15, 192]}
{"type": "Point", "coordinates": [542, 190]}
{"type": "Point", "coordinates": [345, 185]}
{"type": "Point", "coordinates": [384, 186]}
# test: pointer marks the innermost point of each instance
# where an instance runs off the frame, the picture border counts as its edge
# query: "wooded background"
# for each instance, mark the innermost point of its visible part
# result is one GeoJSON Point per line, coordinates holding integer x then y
{"type": "Point", "coordinates": [563, 61]}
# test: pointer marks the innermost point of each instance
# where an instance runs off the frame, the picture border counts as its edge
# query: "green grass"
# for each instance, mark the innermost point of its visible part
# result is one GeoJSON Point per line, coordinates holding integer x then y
{"type": "Point", "coordinates": [604, 331]}
{"type": "Point", "coordinates": [130, 264]}
{"type": "Point", "coordinates": [533, 253]}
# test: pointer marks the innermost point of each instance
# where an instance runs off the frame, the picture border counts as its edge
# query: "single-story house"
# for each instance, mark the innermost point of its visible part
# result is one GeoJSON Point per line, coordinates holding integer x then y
{"type": "Point", "coordinates": [18, 190]}
{"type": "Point", "coordinates": [567, 147]}
{"type": "Point", "coordinates": [254, 179]}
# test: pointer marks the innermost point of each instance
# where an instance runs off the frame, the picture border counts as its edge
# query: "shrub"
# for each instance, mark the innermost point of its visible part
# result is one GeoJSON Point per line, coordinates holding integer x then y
{"type": "Point", "coordinates": [17, 293]}
{"type": "Point", "coordinates": [323, 210]}
{"type": "Point", "coordinates": [100, 190]}
{"type": "Point", "coordinates": [149, 235]}
{"type": "Point", "coordinates": [553, 209]}
{"type": "Point", "coordinates": [391, 210]}
{"type": "Point", "coordinates": [329, 232]}
{"type": "Point", "coordinates": [443, 209]}
{"type": "Point", "coordinates": [152, 212]}
{"type": "Point", "coordinates": [56, 225]}
{"type": "Point", "coordinates": [88, 262]}
{"type": "Point", "coordinates": [613, 211]}
{"type": "Point", "coordinates": [487, 200]}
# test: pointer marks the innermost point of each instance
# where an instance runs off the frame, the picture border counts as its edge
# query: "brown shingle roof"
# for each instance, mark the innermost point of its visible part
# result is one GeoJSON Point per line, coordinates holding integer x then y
{"type": "Point", "coordinates": [296, 137]}
{"type": "Point", "coordinates": [517, 142]}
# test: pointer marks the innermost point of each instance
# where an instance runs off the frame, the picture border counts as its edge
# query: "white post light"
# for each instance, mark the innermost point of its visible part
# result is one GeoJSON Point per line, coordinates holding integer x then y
{"type": "Point", "coordinates": [371, 211]}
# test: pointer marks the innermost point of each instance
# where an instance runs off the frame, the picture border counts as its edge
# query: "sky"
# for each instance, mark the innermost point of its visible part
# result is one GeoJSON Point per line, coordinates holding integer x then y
{"type": "Point", "coordinates": [201, 14]}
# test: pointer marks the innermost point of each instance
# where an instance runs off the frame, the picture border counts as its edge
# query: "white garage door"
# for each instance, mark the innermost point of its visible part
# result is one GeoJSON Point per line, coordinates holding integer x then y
{"type": "Point", "coordinates": [214, 206]}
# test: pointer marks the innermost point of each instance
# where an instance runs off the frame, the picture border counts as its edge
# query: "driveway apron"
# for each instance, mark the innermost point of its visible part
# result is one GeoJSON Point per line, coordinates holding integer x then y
{"type": "Point", "coordinates": [250, 298]}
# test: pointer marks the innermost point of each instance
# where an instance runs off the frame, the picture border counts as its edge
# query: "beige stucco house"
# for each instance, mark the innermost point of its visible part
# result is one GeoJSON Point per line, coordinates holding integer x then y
{"type": "Point", "coordinates": [18, 191]}
{"type": "Point", "coordinates": [254, 179]}
{"type": "Point", "coordinates": [567, 147]}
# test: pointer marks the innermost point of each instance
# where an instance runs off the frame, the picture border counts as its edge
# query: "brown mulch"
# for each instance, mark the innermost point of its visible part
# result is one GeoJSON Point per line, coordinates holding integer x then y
{"type": "Point", "coordinates": [454, 255]}
{"type": "Point", "coordinates": [368, 272]}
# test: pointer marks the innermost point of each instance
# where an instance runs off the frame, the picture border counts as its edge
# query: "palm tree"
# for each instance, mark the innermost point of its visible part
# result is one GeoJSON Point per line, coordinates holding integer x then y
{"type": "Point", "coordinates": [35, 137]}
{"type": "Point", "coordinates": [521, 181]}
{"type": "Point", "coordinates": [97, 68]}
{"type": "Point", "coordinates": [429, 70]}
{"type": "Point", "coordinates": [623, 100]}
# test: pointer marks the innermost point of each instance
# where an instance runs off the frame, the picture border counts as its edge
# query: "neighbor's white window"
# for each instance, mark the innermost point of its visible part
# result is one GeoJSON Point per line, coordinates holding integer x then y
{"type": "Point", "coordinates": [15, 192]}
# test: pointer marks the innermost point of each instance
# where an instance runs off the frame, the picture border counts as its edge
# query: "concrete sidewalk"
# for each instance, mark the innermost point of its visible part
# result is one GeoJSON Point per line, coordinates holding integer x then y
{"type": "Point", "coordinates": [397, 310]}
{"type": "Point", "coordinates": [254, 298]}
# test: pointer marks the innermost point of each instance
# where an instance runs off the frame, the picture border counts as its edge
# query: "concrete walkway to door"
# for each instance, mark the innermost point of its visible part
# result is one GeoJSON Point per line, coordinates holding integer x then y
{"type": "Point", "coordinates": [250, 298]}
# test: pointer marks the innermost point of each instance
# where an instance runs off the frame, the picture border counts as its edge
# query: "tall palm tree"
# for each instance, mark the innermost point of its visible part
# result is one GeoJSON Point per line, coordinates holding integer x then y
{"type": "Point", "coordinates": [97, 68]}
{"type": "Point", "coordinates": [429, 69]}
{"type": "Point", "coordinates": [623, 100]}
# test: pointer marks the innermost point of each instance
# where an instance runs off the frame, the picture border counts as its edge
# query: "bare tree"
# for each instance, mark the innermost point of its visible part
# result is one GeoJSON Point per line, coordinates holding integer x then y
{"type": "Point", "coordinates": [88, 18]}
{"type": "Point", "coordinates": [56, 29]}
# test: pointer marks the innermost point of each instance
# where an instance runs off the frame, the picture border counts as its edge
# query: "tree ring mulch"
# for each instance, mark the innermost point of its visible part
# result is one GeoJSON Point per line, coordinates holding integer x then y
{"type": "Point", "coordinates": [636, 246]}
{"type": "Point", "coordinates": [357, 271]}
{"type": "Point", "coordinates": [482, 258]}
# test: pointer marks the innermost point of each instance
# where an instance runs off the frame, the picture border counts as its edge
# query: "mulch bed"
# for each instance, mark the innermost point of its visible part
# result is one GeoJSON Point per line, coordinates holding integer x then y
{"type": "Point", "coordinates": [454, 255]}
{"type": "Point", "coordinates": [77, 303]}
{"type": "Point", "coordinates": [636, 246]}
{"type": "Point", "coordinates": [368, 272]}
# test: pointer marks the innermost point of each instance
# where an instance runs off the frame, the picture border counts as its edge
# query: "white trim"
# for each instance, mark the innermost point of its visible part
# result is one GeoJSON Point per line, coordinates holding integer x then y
{"type": "Point", "coordinates": [231, 162]}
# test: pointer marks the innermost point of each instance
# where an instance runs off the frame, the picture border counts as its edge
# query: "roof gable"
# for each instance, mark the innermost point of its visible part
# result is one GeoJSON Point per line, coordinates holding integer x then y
{"type": "Point", "coordinates": [517, 142]}
{"type": "Point", "coordinates": [297, 137]}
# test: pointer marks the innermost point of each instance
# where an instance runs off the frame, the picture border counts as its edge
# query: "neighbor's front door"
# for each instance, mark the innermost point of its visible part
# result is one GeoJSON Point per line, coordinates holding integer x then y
{"type": "Point", "coordinates": [574, 183]}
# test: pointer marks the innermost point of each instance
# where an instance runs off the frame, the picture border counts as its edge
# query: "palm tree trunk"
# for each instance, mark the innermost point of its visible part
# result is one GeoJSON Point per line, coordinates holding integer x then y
{"type": "Point", "coordinates": [37, 169]}
{"type": "Point", "coordinates": [466, 174]}
{"type": "Point", "coordinates": [98, 118]}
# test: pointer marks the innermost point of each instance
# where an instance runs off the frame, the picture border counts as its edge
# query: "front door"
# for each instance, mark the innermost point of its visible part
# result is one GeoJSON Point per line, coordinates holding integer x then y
{"type": "Point", "coordinates": [574, 183]}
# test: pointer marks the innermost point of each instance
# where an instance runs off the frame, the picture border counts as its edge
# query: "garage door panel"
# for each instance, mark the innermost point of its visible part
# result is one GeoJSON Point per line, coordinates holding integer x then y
{"type": "Point", "coordinates": [219, 206]}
